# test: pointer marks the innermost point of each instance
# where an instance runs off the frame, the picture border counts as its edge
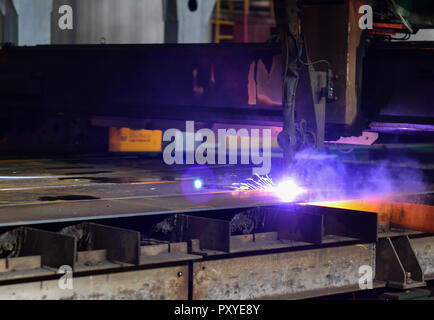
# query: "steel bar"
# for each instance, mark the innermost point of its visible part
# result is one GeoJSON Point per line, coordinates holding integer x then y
{"type": "Point", "coordinates": [286, 273]}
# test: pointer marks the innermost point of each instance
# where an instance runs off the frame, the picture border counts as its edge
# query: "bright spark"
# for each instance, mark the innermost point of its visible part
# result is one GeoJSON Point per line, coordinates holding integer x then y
{"type": "Point", "coordinates": [287, 190]}
{"type": "Point", "coordinates": [198, 183]}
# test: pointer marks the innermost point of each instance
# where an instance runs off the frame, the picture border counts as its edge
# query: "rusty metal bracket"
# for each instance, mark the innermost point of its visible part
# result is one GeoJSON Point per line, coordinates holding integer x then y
{"type": "Point", "coordinates": [122, 245]}
{"type": "Point", "coordinates": [347, 223]}
{"type": "Point", "coordinates": [302, 223]}
{"type": "Point", "coordinates": [310, 223]}
{"type": "Point", "coordinates": [296, 224]}
{"type": "Point", "coordinates": [397, 264]}
{"type": "Point", "coordinates": [213, 234]}
{"type": "Point", "coordinates": [55, 249]}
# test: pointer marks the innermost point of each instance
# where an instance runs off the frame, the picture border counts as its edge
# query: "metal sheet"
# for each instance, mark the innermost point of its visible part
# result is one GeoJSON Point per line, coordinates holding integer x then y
{"type": "Point", "coordinates": [124, 207]}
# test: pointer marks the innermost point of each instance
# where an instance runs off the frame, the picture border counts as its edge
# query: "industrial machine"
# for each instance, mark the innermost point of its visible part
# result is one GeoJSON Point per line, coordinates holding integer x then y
{"type": "Point", "coordinates": [84, 190]}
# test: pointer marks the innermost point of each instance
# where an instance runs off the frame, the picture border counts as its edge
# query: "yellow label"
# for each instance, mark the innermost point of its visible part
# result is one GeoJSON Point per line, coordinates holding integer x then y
{"type": "Point", "coordinates": [129, 140]}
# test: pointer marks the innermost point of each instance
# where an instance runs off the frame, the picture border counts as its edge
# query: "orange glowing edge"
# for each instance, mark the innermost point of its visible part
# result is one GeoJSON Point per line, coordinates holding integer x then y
{"type": "Point", "coordinates": [406, 215]}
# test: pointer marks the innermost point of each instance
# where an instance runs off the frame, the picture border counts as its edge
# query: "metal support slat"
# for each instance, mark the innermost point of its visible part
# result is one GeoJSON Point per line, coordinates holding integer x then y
{"type": "Point", "coordinates": [348, 223]}
{"type": "Point", "coordinates": [213, 234]}
{"type": "Point", "coordinates": [397, 264]}
{"type": "Point", "coordinates": [55, 249]}
{"type": "Point", "coordinates": [295, 224]}
{"type": "Point", "coordinates": [122, 245]}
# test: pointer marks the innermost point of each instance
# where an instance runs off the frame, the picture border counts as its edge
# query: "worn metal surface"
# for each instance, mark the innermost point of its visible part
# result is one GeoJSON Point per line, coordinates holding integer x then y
{"type": "Point", "coordinates": [280, 273]}
{"type": "Point", "coordinates": [22, 268]}
{"type": "Point", "coordinates": [324, 292]}
{"type": "Point", "coordinates": [160, 283]}
{"type": "Point", "coordinates": [166, 253]}
{"type": "Point", "coordinates": [424, 250]}
{"type": "Point", "coordinates": [94, 260]}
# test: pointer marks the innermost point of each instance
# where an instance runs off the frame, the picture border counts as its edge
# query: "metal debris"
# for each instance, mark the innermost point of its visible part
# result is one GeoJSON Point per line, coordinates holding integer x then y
{"type": "Point", "coordinates": [161, 232]}
{"type": "Point", "coordinates": [81, 234]}
{"type": "Point", "coordinates": [11, 243]}
{"type": "Point", "coordinates": [249, 221]}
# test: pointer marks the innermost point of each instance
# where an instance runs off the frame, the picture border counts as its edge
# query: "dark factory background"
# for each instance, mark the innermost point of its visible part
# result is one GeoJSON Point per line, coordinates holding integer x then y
{"type": "Point", "coordinates": [91, 89]}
